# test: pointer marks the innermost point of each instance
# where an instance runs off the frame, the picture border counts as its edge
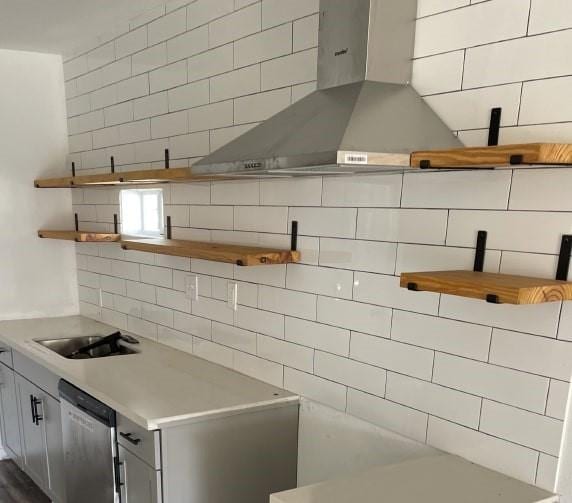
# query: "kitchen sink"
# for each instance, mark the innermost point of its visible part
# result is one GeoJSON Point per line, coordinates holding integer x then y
{"type": "Point", "coordinates": [68, 348]}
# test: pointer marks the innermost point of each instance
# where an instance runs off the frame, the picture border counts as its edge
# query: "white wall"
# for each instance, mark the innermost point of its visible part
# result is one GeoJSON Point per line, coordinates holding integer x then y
{"type": "Point", "coordinates": [37, 277]}
{"type": "Point", "coordinates": [487, 382]}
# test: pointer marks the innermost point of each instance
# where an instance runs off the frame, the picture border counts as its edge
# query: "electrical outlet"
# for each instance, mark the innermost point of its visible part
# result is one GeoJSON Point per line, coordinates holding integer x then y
{"type": "Point", "coordinates": [192, 286]}
{"type": "Point", "coordinates": [232, 295]}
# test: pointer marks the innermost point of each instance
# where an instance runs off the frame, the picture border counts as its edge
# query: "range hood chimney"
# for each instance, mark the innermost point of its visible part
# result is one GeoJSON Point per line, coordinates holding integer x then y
{"type": "Point", "coordinates": [364, 116]}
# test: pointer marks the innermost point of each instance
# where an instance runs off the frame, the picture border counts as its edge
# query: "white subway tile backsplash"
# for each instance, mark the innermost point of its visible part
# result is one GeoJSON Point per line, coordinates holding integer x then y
{"type": "Point", "coordinates": [262, 322]}
{"type": "Point", "coordinates": [212, 116]}
{"type": "Point", "coordinates": [323, 391]}
{"type": "Point", "coordinates": [188, 96]}
{"type": "Point", "coordinates": [518, 60]}
{"type": "Point", "coordinates": [213, 352]}
{"type": "Point", "coordinates": [505, 385]}
{"type": "Point", "coordinates": [211, 217]}
{"type": "Point", "coordinates": [530, 353]}
{"type": "Point", "coordinates": [472, 109]}
{"type": "Point", "coordinates": [213, 62]}
{"type": "Point", "coordinates": [539, 319]}
{"type": "Point", "coordinates": [291, 192]}
{"type": "Point", "coordinates": [167, 26]}
{"type": "Point", "coordinates": [235, 83]}
{"type": "Point", "coordinates": [557, 399]}
{"type": "Point", "coordinates": [525, 428]}
{"type": "Point", "coordinates": [296, 68]}
{"type": "Point", "coordinates": [385, 291]}
{"type": "Point", "coordinates": [546, 472]}
{"type": "Point", "coordinates": [191, 145]}
{"type": "Point", "coordinates": [442, 73]}
{"type": "Point", "coordinates": [188, 44]}
{"type": "Point", "coordinates": [316, 335]}
{"type": "Point", "coordinates": [549, 15]}
{"type": "Point", "coordinates": [354, 316]}
{"type": "Point", "coordinates": [169, 76]}
{"type": "Point", "coordinates": [169, 125]}
{"type": "Point", "coordinates": [457, 189]}
{"type": "Point", "coordinates": [402, 225]}
{"type": "Point", "coordinates": [237, 25]}
{"type": "Point", "coordinates": [543, 230]}
{"type": "Point", "coordinates": [275, 12]}
{"type": "Point", "coordinates": [131, 42]}
{"type": "Point", "coordinates": [203, 11]}
{"type": "Point", "coordinates": [286, 353]}
{"type": "Point", "coordinates": [449, 336]}
{"type": "Point", "coordinates": [149, 59]}
{"type": "Point", "coordinates": [287, 302]}
{"type": "Point", "coordinates": [541, 189]}
{"type": "Point", "coordinates": [330, 222]}
{"type": "Point", "coordinates": [392, 355]}
{"type": "Point", "coordinates": [238, 192]}
{"type": "Point", "coordinates": [429, 7]}
{"type": "Point", "coordinates": [194, 325]}
{"type": "Point", "coordinates": [305, 33]}
{"type": "Point", "coordinates": [351, 373]}
{"type": "Point", "coordinates": [131, 88]}
{"type": "Point", "coordinates": [475, 25]}
{"type": "Point", "coordinates": [390, 415]}
{"type": "Point", "coordinates": [320, 280]}
{"type": "Point", "coordinates": [259, 107]}
{"type": "Point", "coordinates": [259, 368]}
{"type": "Point", "coordinates": [358, 255]}
{"type": "Point", "coordinates": [260, 219]}
{"type": "Point", "coordinates": [437, 400]}
{"type": "Point", "coordinates": [497, 454]}
{"type": "Point", "coordinates": [234, 337]}
{"type": "Point", "coordinates": [262, 46]}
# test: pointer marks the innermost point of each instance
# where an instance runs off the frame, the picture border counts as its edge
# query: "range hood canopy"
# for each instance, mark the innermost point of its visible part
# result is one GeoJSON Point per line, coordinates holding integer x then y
{"type": "Point", "coordinates": [364, 117]}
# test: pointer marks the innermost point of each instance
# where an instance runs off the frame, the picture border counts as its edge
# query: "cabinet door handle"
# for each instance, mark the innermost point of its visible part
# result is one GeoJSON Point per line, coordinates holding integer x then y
{"type": "Point", "coordinates": [129, 438]}
{"type": "Point", "coordinates": [36, 415]}
{"type": "Point", "coordinates": [33, 409]}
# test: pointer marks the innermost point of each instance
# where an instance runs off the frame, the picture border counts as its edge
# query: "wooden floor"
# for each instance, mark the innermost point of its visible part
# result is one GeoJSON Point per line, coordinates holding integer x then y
{"type": "Point", "coordinates": [17, 487]}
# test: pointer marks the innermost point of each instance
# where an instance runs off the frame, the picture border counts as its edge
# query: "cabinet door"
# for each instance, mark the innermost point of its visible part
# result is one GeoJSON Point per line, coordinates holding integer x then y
{"type": "Point", "coordinates": [52, 422]}
{"type": "Point", "coordinates": [33, 435]}
{"type": "Point", "coordinates": [139, 482]}
{"type": "Point", "coordinates": [10, 412]}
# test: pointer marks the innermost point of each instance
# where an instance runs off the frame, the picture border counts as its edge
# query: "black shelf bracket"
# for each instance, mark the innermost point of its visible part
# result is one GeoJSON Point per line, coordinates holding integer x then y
{"type": "Point", "coordinates": [294, 236]}
{"type": "Point", "coordinates": [115, 224]}
{"type": "Point", "coordinates": [516, 160]}
{"type": "Point", "coordinates": [480, 251]}
{"type": "Point", "coordinates": [112, 164]}
{"type": "Point", "coordinates": [167, 159]}
{"type": "Point", "coordinates": [425, 164]}
{"type": "Point", "coordinates": [412, 287]}
{"type": "Point", "coordinates": [73, 168]}
{"type": "Point", "coordinates": [564, 258]}
{"type": "Point", "coordinates": [76, 218]}
{"type": "Point", "coordinates": [169, 228]}
{"type": "Point", "coordinates": [494, 127]}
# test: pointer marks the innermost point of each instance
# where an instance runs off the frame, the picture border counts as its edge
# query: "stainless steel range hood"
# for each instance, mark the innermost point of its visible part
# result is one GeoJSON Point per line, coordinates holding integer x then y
{"type": "Point", "coordinates": [364, 117]}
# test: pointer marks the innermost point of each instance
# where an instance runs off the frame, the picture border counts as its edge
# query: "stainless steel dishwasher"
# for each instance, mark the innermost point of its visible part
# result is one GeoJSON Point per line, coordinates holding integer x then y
{"type": "Point", "coordinates": [90, 447]}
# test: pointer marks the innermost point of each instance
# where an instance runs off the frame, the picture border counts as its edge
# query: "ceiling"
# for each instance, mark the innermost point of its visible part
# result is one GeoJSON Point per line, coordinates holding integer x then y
{"type": "Point", "coordinates": [59, 26]}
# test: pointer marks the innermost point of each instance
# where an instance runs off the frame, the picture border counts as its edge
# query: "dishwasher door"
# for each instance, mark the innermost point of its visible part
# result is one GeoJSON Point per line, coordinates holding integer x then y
{"type": "Point", "coordinates": [88, 428]}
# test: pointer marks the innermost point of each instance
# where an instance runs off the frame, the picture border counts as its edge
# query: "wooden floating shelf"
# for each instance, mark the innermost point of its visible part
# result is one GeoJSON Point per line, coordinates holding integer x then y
{"type": "Point", "coordinates": [81, 237]}
{"type": "Point", "coordinates": [234, 254]}
{"type": "Point", "coordinates": [142, 176]}
{"type": "Point", "coordinates": [495, 288]}
{"type": "Point", "coordinates": [497, 156]}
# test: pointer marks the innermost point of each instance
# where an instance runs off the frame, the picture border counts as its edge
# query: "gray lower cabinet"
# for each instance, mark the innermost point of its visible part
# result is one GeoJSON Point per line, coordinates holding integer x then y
{"type": "Point", "coordinates": [139, 482]}
{"type": "Point", "coordinates": [11, 439]}
{"type": "Point", "coordinates": [42, 438]}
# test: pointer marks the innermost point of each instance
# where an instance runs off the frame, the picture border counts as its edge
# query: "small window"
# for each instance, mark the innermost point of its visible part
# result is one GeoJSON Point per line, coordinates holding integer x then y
{"type": "Point", "coordinates": [142, 212]}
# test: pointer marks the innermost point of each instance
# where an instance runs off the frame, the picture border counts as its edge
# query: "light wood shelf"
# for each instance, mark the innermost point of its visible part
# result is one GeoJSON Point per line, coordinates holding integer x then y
{"type": "Point", "coordinates": [497, 156]}
{"type": "Point", "coordinates": [234, 254]}
{"type": "Point", "coordinates": [497, 288]}
{"type": "Point", "coordinates": [142, 176]}
{"type": "Point", "coordinates": [81, 237]}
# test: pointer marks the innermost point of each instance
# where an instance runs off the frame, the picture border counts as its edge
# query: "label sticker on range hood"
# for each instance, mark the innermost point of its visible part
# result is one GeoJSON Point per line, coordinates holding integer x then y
{"type": "Point", "coordinates": [355, 158]}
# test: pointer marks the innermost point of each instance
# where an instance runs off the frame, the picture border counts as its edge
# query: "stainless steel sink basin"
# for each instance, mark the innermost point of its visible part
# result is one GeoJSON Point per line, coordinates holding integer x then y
{"type": "Point", "coordinates": [66, 347]}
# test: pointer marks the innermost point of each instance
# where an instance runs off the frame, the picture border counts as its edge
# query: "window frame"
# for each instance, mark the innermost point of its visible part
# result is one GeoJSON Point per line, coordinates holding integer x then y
{"type": "Point", "coordinates": [142, 232]}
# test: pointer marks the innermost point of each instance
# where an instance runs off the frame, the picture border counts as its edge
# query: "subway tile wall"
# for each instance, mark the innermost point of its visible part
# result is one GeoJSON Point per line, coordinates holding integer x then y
{"type": "Point", "coordinates": [484, 381]}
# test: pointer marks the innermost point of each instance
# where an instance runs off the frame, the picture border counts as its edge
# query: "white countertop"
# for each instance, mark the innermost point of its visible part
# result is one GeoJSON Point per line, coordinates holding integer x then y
{"type": "Point", "coordinates": [436, 479]}
{"type": "Point", "coordinates": [156, 388]}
